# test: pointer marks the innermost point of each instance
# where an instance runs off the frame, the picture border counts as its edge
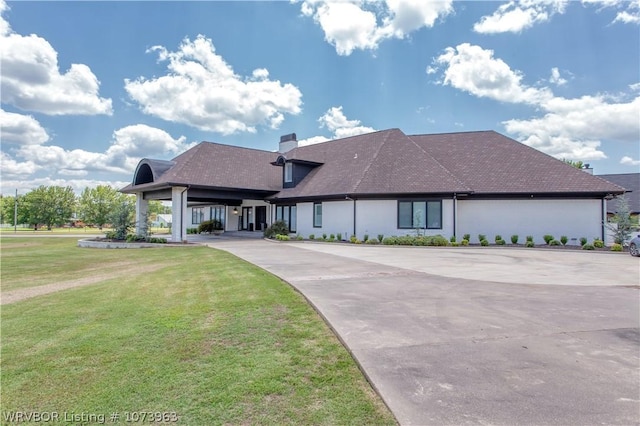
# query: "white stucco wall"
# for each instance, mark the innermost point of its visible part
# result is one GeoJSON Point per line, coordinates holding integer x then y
{"type": "Point", "coordinates": [573, 218]}
{"type": "Point", "coordinates": [373, 217]}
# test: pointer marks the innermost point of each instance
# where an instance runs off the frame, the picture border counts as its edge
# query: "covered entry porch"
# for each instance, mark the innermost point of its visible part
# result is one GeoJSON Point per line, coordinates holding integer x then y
{"type": "Point", "coordinates": [236, 209]}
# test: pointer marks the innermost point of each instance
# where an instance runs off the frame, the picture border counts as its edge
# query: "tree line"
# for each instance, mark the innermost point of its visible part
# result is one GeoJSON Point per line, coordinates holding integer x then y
{"type": "Point", "coordinates": [52, 206]}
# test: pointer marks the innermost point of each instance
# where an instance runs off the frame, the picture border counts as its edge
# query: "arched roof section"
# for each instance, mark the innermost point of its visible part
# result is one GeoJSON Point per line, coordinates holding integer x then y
{"type": "Point", "coordinates": [149, 170]}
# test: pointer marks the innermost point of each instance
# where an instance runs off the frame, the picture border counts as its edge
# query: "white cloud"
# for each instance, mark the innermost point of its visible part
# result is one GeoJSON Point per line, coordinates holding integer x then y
{"type": "Point", "coordinates": [517, 16]}
{"type": "Point", "coordinates": [570, 128]}
{"type": "Point", "coordinates": [21, 129]}
{"type": "Point", "coordinates": [31, 80]}
{"type": "Point", "coordinates": [626, 160]}
{"type": "Point", "coordinates": [360, 24]}
{"type": "Point", "coordinates": [627, 12]}
{"type": "Point", "coordinates": [634, 87]}
{"type": "Point", "coordinates": [128, 146]}
{"type": "Point", "coordinates": [13, 169]}
{"type": "Point", "coordinates": [556, 78]}
{"type": "Point", "coordinates": [202, 91]}
{"type": "Point", "coordinates": [335, 121]}
{"type": "Point", "coordinates": [78, 185]}
{"type": "Point", "coordinates": [474, 70]}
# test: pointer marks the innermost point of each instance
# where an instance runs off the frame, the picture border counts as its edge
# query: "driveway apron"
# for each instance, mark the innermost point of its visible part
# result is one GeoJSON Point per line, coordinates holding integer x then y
{"type": "Point", "coordinates": [442, 349]}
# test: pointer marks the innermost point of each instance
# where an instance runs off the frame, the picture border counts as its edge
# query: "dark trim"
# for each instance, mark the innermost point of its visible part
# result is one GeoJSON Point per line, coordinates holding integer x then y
{"type": "Point", "coordinates": [455, 203]}
{"type": "Point", "coordinates": [603, 218]}
{"type": "Point", "coordinates": [426, 213]}
{"type": "Point", "coordinates": [314, 214]}
{"type": "Point", "coordinates": [288, 222]}
{"type": "Point", "coordinates": [539, 196]}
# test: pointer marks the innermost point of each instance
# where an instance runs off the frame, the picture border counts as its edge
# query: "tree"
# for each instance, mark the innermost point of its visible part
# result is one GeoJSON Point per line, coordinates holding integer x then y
{"type": "Point", "coordinates": [96, 204]}
{"type": "Point", "coordinates": [621, 224]}
{"type": "Point", "coordinates": [576, 164]}
{"type": "Point", "coordinates": [49, 205]}
{"type": "Point", "coordinates": [122, 217]}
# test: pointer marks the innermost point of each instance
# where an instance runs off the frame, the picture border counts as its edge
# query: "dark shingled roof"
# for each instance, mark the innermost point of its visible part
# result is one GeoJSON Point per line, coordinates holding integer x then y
{"type": "Point", "coordinates": [491, 163]}
{"type": "Point", "coordinates": [629, 181]}
{"type": "Point", "coordinates": [221, 166]}
{"type": "Point", "coordinates": [384, 162]}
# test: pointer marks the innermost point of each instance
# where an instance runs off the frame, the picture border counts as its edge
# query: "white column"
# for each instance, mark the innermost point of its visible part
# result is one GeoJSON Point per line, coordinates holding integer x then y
{"type": "Point", "coordinates": [178, 214]}
{"type": "Point", "coordinates": [142, 206]}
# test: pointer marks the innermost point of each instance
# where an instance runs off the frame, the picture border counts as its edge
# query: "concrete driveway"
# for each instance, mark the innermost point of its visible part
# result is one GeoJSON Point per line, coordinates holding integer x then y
{"type": "Point", "coordinates": [477, 335]}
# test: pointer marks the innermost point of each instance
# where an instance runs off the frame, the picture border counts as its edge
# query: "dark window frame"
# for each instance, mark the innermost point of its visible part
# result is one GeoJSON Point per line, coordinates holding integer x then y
{"type": "Point", "coordinates": [426, 202]}
{"type": "Point", "coordinates": [197, 215]}
{"type": "Point", "coordinates": [315, 224]}
{"type": "Point", "coordinates": [288, 221]}
{"type": "Point", "coordinates": [288, 166]}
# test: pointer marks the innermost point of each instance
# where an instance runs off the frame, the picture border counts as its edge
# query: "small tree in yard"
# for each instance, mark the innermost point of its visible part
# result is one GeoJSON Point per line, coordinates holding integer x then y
{"type": "Point", "coordinates": [621, 224]}
{"type": "Point", "coordinates": [122, 219]}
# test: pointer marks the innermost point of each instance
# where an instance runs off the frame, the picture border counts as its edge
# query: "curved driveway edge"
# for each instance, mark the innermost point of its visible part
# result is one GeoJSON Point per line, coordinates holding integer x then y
{"type": "Point", "coordinates": [441, 349]}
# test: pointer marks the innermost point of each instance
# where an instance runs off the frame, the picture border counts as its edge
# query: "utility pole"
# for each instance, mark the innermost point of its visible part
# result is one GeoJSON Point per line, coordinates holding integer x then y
{"type": "Point", "coordinates": [15, 213]}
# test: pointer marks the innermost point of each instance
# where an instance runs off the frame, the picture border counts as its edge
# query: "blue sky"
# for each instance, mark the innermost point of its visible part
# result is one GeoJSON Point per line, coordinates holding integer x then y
{"type": "Point", "coordinates": [90, 88]}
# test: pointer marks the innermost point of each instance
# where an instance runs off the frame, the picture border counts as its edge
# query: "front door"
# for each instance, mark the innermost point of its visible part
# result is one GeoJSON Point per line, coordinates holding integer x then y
{"type": "Point", "coordinates": [261, 218]}
{"type": "Point", "coordinates": [247, 218]}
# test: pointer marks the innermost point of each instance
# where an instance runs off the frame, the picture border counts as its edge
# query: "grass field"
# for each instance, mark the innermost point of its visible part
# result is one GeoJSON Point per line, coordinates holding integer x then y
{"type": "Point", "coordinates": [85, 230]}
{"type": "Point", "coordinates": [200, 333]}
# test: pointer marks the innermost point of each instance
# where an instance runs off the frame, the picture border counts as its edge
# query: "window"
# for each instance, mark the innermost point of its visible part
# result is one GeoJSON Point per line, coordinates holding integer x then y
{"type": "Point", "coordinates": [317, 215]}
{"type": "Point", "coordinates": [288, 172]}
{"type": "Point", "coordinates": [420, 214]}
{"type": "Point", "coordinates": [288, 215]}
{"type": "Point", "coordinates": [197, 215]}
{"type": "Point", "coordinates": [217, 213]}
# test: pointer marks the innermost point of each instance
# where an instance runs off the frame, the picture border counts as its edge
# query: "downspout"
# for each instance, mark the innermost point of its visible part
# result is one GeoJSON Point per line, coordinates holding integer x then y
{"type": "Point", "coordinates": [182, 236]}
{"type": "Point", "coordinates": [455, 205]}
{"type": "Point", "coordinates": [603, 217]}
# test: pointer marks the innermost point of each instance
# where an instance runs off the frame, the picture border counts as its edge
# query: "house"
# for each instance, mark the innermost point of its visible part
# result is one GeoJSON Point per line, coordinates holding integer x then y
{"type": "Point", "coordinates": [383, 182]}
{"type": "Point", "coordinates": [162, 221]}
{"type": "Point", "coordinates": [631, 182]}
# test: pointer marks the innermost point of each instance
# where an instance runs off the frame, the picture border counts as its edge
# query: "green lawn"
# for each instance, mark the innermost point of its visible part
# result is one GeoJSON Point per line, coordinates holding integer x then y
{"type": "Point", "coordinates": [203, 334]}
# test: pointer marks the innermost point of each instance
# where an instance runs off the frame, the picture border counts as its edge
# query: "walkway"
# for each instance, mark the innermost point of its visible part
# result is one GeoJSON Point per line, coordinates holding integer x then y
{"type": "Point", "coordinates": [477, 336]}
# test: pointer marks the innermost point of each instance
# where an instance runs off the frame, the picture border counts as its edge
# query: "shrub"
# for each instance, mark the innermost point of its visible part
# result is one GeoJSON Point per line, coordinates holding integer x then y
{"type": "Point", "coordinates": [312, 237]}
{"type": "Point", "coordinates": [324, 236]}
{"type": "Point", "coordinates": [390, 241]}
{"type": "Point", "coordinates": [380, 237]}
{"type": "Point", "coordinates": [554, 243]}
{"type": "Point", "coordinates": [616, 247]}
{"type": "Point", "coordinates": [437, 240]}
{"type": "Point", "coordinates": [353, 239]}
{"type": "Point", "coordinates": [464, 242]}
{"type": "Point", "coordinates": [455, 244]}
{"type": "Point", "coordinates": [498, 238]}
{"type": "Point", "coordinates": [466, 237]}
{"type": "Point", "coordinates": [530, 238]}
{"type": "Point", "coordinates": [529, 244]}
{"type": "Point", "coordinates": [299, 238]}
{"type": "Point", "coordinates": [112, 235]}
{"type": "Point", "coordinates": [332, 237]}
{"type": "Point", "coordinates": [583, 241]}
{"type": "Point", "coordinates": [514, 239]}
{"type": "Point", "coordinates": [501, 242]}
{"type": "Point", "coordinates": [366, 237]}
{"type": "Point", "coordinates": [563, 240]}
{"type": "Point", "coordinates": [156, 240]}
{"type": "Point", "coordinates": [588, 247]}
{"type": "Point", "coordinates": [209, 226]}
{"type": "Point", "coordinates": [372, 241]}
{"type": "Point", "coordinates": [192, 230]}
{"type": "Point", "coordinates": [339, 236]}
{"type": "Point", "coordinates": [282, 237]}
{"type": "Point", "coordinates": [598, 243]}
{"type": "Point", "coordinates": [452, 239]}
{"type": "Point", "coordinates": [484, 243]}
{"type": "Point", "coordinates": [481, 237]}
{"type": "Point", "coordinates": [277, 228]}
{"type": "Point", "coordinates": [547, 238]}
